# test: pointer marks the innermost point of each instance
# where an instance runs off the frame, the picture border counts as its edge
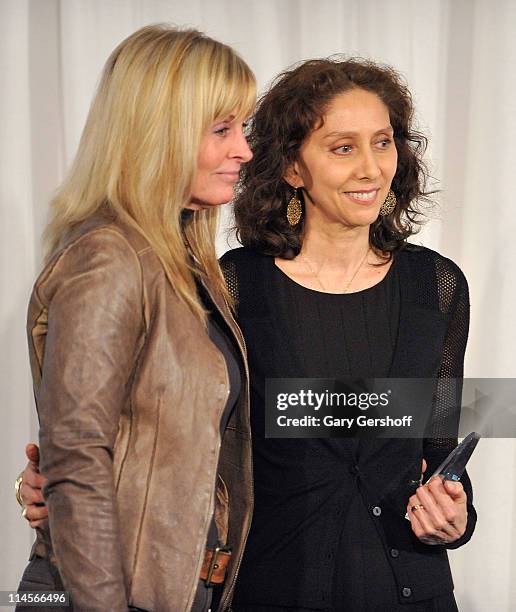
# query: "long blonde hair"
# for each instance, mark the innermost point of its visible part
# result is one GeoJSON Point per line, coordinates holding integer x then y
{"type": "Point", "coordinates": [160, 90]}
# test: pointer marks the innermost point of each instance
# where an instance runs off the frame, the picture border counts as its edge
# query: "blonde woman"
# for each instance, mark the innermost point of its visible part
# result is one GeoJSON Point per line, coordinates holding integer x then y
{"type": "Point", "coordinates": [138, 366]}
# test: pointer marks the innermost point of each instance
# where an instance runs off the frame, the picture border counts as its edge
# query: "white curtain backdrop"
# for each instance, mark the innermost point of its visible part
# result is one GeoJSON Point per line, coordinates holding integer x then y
{"type": "Point", "coordinates": [459, 58]}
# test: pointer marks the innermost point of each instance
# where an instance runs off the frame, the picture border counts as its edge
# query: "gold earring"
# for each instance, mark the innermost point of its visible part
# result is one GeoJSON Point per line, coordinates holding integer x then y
{"type": "Point", "coordinates": [294, 209]}
{"type": "Point", "coordinates": [389, 204]}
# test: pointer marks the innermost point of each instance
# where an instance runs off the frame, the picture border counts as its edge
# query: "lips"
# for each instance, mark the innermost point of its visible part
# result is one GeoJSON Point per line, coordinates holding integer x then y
{"type": "Point", "coordinates": [363, 196]}
{"type": "Point", "coordinates": [230, 176]}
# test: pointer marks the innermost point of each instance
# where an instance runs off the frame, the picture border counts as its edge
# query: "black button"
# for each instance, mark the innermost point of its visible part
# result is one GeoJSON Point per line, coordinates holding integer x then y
{"type": "Point", "coordinates": [377, 510]}
{"type": "Point", "coordinates": [354, 469]}
{"type": "Point", "coordinates": [395, 553]}
{"type": "Point", "coordinates": [406, 591]}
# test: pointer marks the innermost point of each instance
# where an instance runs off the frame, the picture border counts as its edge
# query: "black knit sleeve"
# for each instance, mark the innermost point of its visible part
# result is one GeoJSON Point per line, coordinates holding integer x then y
{"type": "Point", "coordinates": [453, 296]}
{"type": "Point", "coordinates": [229, 270]}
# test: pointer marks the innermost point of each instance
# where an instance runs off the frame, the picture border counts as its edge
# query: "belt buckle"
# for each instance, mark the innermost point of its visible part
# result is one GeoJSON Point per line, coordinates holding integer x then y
{"type": "Point", "coordinates": [214, 564]}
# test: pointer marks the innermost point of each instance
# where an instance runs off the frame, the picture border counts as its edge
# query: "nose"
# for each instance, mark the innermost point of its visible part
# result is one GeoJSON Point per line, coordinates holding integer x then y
{"type": "Point", "coordinates": [240, 149]}
{"type": "Point", "coordinates": [367, 165]}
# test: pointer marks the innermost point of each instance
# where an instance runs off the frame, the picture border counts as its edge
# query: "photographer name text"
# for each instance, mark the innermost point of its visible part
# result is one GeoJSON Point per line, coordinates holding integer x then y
{"type": "Point", "coordinates": [346, 422]}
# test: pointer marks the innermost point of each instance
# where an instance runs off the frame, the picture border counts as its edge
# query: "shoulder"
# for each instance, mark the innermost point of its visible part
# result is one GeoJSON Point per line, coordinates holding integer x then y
{"type": "Point", "coordinates": [244, 270]}
{"type": "Point", "coordinates": [424, 258]}
{"type": "Point", "coordinates": [105, 233]}
{"type": "Point", "coordinates": [243, 262]}
{"type": "Point", "coordinates": [432, 276]}
{"type": "Point", "coordinates": [242, 256]}
{"type": "Point", "coordinates": [94, 253]}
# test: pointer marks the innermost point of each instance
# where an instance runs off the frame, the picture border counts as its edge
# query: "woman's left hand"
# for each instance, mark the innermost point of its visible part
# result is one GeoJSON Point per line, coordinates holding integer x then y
{"type": "Point", "coordinates": [438, 511]}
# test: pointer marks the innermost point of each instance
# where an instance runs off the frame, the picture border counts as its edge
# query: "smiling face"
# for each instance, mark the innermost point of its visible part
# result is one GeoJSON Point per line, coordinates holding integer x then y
{"type": "Point", "coordinates": [222, 151]}
{"type": "Point", "coordinates": [347, 164]}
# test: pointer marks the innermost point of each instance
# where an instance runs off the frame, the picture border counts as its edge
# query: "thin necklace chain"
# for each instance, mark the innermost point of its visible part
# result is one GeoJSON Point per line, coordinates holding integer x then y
{"type": "Point", "coordinates": [317, 278]}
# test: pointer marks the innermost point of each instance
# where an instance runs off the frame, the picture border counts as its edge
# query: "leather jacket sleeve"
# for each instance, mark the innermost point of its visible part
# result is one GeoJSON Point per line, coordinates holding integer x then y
{"type": "Point", "coordinates": [92, 295]}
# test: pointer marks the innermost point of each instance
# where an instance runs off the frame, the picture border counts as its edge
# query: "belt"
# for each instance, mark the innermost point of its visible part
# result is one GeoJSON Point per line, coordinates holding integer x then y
{"type": "Point", "coordinates": [215, 565]}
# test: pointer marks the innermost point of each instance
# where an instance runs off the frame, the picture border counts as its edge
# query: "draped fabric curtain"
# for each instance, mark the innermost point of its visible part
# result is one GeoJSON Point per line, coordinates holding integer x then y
{"type": "Point", "coordinates": [459, 59]}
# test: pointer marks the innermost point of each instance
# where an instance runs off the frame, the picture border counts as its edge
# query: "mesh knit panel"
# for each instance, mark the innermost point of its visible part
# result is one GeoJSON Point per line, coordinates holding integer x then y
{"type": "Point", "coordinates": [230, 275]}
{"type": "Point", "coordinates": [453, 297]}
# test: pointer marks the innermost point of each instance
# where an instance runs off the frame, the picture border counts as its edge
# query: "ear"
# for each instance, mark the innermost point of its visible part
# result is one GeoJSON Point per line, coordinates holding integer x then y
{"type": "Point", "coordinates": [292, 176]}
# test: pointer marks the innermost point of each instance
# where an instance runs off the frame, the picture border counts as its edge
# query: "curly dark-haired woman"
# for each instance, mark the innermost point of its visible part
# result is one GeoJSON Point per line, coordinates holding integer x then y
{"type": "Point", "coordinates": [328, 287]}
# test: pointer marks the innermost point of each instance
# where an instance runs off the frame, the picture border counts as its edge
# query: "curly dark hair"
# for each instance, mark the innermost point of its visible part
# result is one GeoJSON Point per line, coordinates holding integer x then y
{"type": "Point", "coordinates": [295, 105]}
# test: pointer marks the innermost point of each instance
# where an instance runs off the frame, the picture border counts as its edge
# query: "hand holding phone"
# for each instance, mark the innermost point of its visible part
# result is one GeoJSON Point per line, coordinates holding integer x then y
{"type": "Point", "coordinates": [454, 465]}
{"type": "Point", "coordinates": [438, 509]}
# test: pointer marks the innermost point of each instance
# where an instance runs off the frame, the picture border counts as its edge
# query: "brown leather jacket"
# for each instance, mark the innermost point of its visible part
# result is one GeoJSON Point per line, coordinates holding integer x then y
{"type": "Point", "coordinates": [130, 391]}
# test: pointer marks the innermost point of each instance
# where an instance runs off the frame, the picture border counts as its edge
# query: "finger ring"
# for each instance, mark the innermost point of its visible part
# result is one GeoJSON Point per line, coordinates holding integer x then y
{"type": "Point", "coordinates": [17, 485]}
{"type": "Point", "coordinates": [24, 512]}
{"type": "Point", "coordinates": [417, 507]}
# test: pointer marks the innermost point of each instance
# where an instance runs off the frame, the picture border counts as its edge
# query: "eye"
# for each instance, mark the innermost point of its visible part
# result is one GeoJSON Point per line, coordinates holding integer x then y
{"type": "Point", "coordinates": [384, 143]}
{"type": "Point", "coordinates": [221, 131]}
{"type": "Point", "coordinates": [343, 149]}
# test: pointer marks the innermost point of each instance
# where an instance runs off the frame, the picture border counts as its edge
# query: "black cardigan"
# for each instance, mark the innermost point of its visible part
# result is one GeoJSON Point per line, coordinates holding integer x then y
{"type": "Point", "coordinates": [432, 335]}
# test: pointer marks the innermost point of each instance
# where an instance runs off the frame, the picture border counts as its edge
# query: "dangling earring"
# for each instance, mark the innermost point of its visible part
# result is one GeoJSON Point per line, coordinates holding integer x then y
{"type": "Point", "coordinates": [294, 209]}
{"type": "Point", "coordinates": [389, 204]}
